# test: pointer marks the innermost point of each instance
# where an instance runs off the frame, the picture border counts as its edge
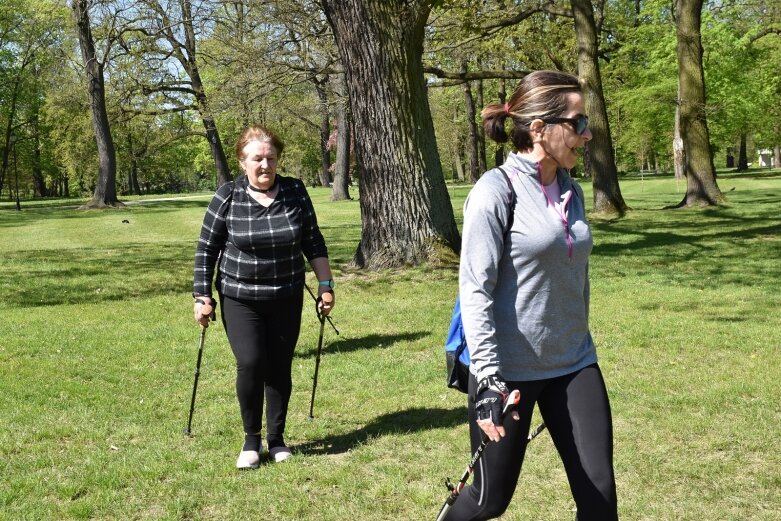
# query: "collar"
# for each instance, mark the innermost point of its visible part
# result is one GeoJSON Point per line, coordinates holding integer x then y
{"type": "Point", "coordinates": [520, 165]}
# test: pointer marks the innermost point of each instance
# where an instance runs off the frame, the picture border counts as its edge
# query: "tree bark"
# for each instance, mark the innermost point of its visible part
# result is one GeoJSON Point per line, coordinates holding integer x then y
{"type": "Point", "coordinates": [604, 174]}
{"type": "Point", "coordinates": [406, 215]}
{"type": "Point", "coordinates": [742, 154]}
{"type": "Point", "coordinates": [458, 160]}
{"type": "Point", "coordinates": [471, 127]}
{"type": "Point", "coordinates": [777, 156]}
{"type": "Point", "coordinates": [701, 186]}
{"type": "Point", "coordinates": [679, 154]}
{"type": "Point", "coordinates": [39, 181]}
{"type": "Point", "coordinates": [9, 132]}
{"type": "Point", "coordinates": [325, 131]}
{"type": "Point", "coordinates": [341, 186]}
{"type": "Point", "coordinates": [499, 154]}
{"type": "Point", "coordinates": [132, 181]}
{"type": "Point", "coordinates": [105, 194]}
{"type": "Point", "coordinates": [482, 160]}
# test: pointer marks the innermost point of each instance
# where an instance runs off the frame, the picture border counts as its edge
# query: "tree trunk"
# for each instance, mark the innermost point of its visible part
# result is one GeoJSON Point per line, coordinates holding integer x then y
{"type": "Point", "coordinates": [742, 154]}
{"type": "Point", "coordinates": [701, 186]}
{"type": "Point", "coordinates": [9, 135]}
{"type": "Point", "coordinates": [483, 162]}
{"type": "Point", "coordinates": [604, 175]}
{"type": "Point", "coordinates": [730, 158]}
{"type": "Point", "coordinates": [212, 134]}
{"type": "Point", "coordinates": [679, 154]}
{"type": "Point", "coordinates": [188, 60]}
{"type": "Point", "coordinates": [777, 156]}
{"type": "Point", "coordinates": [406, 215]}
{"type": "Point", "coordinates": [471, 127]}
{"type": "Point", "coordinates": [458, 160]}
{"type": "Point", "coordinates": [39, 181]}
{"type": "Point", "coordinates": [341, 186]}
{"type": "Point", "coordinates": [325, 132]}
{"type": "Point", "coordinates": [132, 176]}
{"type": "Point", "coordinates": [456, 146]}
{"type": "Point", "coordinates": [499, 155]}
{"type": "Point", "coordinates": [105, 194]}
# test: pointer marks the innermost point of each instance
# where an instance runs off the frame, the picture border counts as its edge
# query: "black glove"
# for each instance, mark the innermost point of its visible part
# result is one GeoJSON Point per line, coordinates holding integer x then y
{"type": "Point", "coordinates": [489, 398]}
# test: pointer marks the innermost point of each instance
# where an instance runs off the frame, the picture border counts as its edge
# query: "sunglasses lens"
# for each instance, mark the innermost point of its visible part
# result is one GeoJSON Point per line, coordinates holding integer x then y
{"type": "Point", "coordinates": [582, 124]}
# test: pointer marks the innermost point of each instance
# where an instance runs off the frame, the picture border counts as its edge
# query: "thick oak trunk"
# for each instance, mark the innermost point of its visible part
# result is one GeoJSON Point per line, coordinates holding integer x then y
{"type": "Point", "coordinates": [604, 175]}
{"type": "Point", "coordinates": [406, 215]}
{"type": "Point", "coordinates": [701, 186]}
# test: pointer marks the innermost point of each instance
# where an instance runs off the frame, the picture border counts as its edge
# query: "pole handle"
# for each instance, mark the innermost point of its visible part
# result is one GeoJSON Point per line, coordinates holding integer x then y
{"type": "Point", "coordinates": [317, 309]}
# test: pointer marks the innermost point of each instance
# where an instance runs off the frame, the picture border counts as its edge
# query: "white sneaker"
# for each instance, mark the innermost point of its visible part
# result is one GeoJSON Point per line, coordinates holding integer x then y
{"type": "Point", "coordinates": [248, 459]}
{"type": "Point", "coordinates": [280, 454]}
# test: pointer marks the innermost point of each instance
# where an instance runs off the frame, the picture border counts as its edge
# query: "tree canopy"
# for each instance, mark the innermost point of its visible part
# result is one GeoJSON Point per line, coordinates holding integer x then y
{"type": "Point", "coordinates": [183, 77]}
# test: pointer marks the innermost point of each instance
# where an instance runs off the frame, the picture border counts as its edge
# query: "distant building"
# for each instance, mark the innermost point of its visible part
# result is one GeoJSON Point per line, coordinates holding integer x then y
{"type": "Point", "coordinates": [765, 158]}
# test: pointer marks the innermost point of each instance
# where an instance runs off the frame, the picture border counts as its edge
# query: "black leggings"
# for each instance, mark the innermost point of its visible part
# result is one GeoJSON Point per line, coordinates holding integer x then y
{"type": "Point", "coordinates": [263, 336]}
{"type": "Point", "coordinates": [576, 411]}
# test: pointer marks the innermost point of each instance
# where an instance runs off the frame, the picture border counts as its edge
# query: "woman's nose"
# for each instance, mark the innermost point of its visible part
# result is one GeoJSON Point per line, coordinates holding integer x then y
{"type": "Point", "coordinates": [587, 135]}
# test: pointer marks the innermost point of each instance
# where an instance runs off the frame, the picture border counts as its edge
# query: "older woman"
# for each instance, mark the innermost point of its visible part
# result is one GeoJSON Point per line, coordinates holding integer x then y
{"type": "Point", "coordinates": [260, 228]}
{"type": "Point", "coordinates": [525, 302]}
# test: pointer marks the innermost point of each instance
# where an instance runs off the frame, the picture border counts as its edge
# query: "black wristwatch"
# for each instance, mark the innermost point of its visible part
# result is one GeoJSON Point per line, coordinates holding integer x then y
{"type": "Point", "coordinates": [328, 283]}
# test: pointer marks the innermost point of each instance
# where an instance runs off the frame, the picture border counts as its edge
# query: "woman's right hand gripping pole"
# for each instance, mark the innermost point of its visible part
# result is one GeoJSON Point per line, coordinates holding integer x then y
{"type": "Point", "coordinates": [490, 398]}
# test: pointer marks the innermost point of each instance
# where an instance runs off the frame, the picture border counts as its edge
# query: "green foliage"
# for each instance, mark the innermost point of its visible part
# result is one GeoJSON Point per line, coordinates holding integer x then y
{"type": "Point", "coordinates": [641, 87]}
{"type": "Point", "coordinates": [258, 61]}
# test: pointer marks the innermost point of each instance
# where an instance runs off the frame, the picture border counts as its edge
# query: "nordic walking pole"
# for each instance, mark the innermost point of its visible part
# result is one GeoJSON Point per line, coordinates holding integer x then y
{"type": "Point", "coordinates": [322, 318]}
{"type": "Point", "coordinates": [317, 310]}
{"type": "Point", "coordinates": [511, 401]}
{"type": "Point", "coordinates": [536, 432]}
{"type": "Point", "coordinates": [206, 309]}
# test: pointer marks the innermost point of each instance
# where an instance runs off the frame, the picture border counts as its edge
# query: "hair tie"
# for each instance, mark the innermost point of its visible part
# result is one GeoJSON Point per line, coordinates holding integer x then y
{"type": "Point", "coordinates": [507, 109]}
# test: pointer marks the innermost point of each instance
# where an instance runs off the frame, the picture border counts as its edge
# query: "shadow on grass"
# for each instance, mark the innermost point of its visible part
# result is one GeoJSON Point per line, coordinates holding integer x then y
{"type": "Point", "coordinates": [400, 422]}
{"type": "Point", "coordinates": [92, 275]}
{"type": "Point", "coordinates": [31, 215]}
{"type": "Point", "coordinates": [649, 239]}
{"type": "Point", "coordinates": [357, 344]}
{"type": "Point", "coordinates": [774, 174]}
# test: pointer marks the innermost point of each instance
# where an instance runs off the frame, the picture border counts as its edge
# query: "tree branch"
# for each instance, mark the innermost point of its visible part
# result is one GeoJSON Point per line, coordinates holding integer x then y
{"type": "Point", "coordinates": [304, 119]}
{"type": "Point", "coordinates": [764, 32]}
{"type": "Point", "coordinates": [475, 75]}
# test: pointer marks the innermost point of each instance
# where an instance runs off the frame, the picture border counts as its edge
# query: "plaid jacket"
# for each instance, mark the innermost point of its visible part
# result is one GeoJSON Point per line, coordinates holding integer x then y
{"type": "Point", "coordinates": [263, 249]}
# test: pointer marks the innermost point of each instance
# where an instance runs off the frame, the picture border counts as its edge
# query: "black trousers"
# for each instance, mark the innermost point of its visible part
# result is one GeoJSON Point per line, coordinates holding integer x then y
{"type": "Point", "coordinates": [576, 411]}
{"type": "Point", "coordinates": [263, 336]}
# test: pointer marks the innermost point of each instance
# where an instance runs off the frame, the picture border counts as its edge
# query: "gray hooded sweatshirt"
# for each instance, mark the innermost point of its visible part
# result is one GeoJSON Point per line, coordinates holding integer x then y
{"type": "Point", "coordinates": [525, 294]}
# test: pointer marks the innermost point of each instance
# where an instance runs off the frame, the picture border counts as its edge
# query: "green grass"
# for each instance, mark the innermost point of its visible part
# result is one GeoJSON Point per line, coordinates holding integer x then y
{"type": "Point", "coordinates": [99, 346]}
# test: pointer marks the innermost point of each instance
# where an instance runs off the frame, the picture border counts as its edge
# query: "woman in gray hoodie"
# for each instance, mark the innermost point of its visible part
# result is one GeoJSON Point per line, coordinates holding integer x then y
{"type": "Point", "coordinates": [524, 293]}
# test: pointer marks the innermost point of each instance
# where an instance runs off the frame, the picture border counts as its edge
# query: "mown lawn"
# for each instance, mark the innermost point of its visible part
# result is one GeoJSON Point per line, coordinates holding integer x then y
{"type": "Point", "coordinates": [99, 346]}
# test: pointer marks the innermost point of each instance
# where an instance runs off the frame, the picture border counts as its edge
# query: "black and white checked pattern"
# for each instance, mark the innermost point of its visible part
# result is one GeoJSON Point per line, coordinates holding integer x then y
{"type": "Point", "coordinates": [263, 248]}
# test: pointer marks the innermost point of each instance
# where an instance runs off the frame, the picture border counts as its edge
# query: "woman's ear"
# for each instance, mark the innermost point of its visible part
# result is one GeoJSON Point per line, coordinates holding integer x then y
{"type": "Point", "coordinates": [537, 128]}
